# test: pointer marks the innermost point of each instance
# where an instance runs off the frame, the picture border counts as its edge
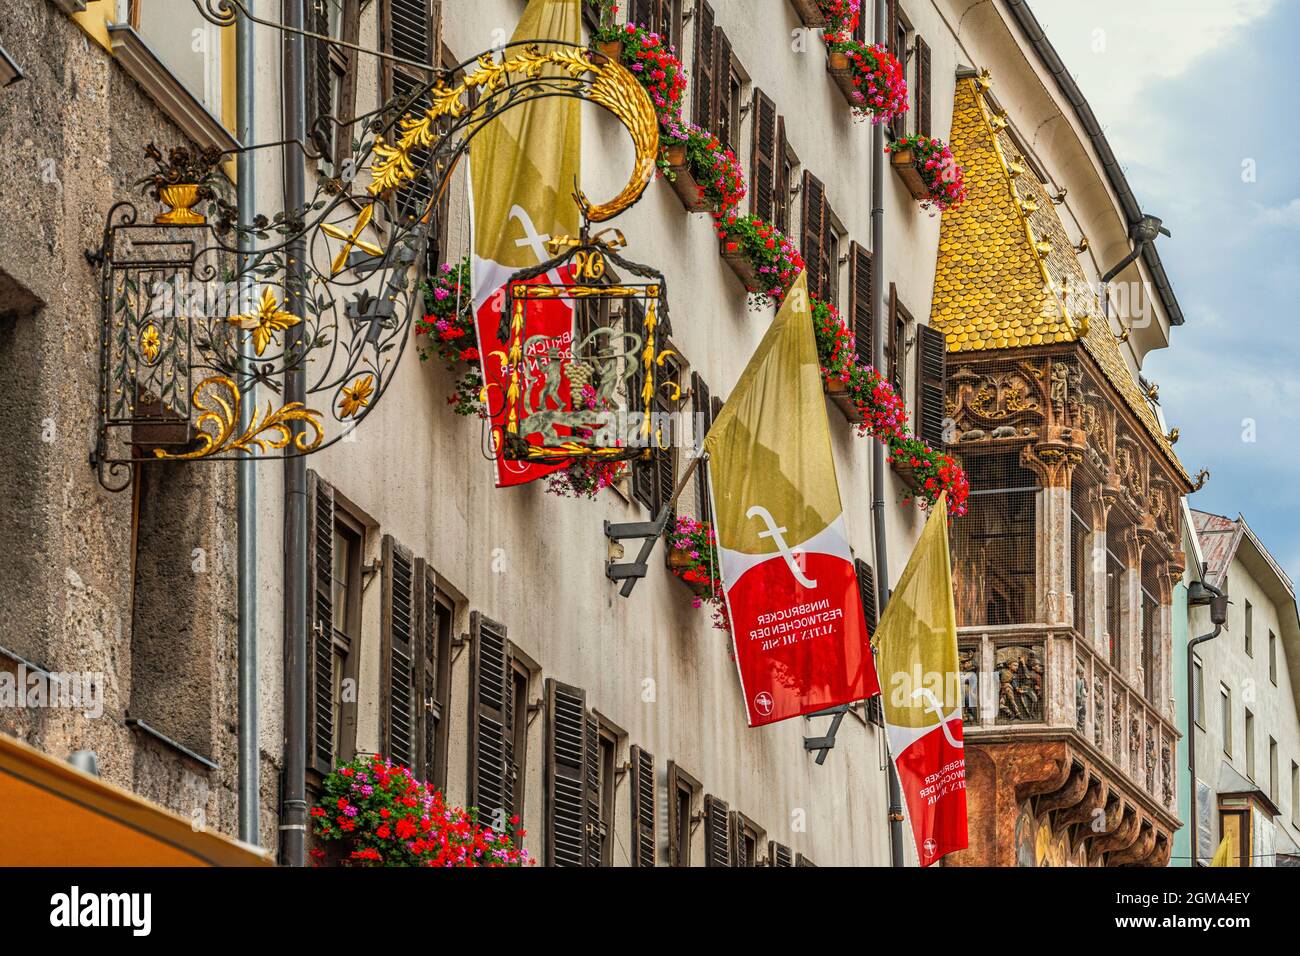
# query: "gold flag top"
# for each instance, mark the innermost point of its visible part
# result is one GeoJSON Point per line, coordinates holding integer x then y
{"type": "Point", "coordinates": [771, 444]}
{"type": "Point", "coordinates": [916, 641]}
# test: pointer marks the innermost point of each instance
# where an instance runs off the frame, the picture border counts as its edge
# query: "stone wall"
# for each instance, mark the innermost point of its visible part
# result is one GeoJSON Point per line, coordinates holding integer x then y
{"type": "Point", "coordinates": [137, 588]}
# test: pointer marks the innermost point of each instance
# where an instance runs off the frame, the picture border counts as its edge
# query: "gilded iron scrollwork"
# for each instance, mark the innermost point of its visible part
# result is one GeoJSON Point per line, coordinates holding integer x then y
{"type": "Point", "coordinates": [183, 294]}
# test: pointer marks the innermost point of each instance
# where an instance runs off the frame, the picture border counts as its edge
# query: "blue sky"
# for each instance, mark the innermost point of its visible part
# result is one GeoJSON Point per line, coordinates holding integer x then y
{"type": "Point", "coordinates": [1198, 100]}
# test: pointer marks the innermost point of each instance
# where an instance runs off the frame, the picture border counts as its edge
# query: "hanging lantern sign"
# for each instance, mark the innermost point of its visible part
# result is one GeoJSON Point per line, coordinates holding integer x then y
{"type": "Point", "coordinates": [593, 393]}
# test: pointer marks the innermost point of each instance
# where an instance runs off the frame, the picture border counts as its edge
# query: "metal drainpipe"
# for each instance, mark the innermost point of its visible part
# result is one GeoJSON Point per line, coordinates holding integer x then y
{"type": "Point", "coordinates": [293, 821]}
{"type": "Point", "coordinates": [877, 447]}
{"type": "Point", "coordinates": [246, 474]}
{"type": "Point", "coordinates": [1191, 722]}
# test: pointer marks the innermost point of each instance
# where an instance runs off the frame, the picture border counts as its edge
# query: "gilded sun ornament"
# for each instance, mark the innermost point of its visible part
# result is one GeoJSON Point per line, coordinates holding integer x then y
{"type": "Point", "coordinates": [356, 396]}
{"type": "Point", "coordinates": [265, 321]}
{"type": "Point", "coordinates": [150, 343]}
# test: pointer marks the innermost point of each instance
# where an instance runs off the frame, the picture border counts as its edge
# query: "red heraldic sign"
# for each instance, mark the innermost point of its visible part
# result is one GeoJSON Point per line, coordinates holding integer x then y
{"type": "Point", "coordinates": [792, 594]}
{"type": "Point", "coordinates": [917, 657]}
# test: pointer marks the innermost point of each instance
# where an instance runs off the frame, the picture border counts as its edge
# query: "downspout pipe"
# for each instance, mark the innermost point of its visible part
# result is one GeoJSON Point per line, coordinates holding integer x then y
{"type": "Point", "coordinates": [1218, 616]}
{"type": "Point", "coordinates": [877, 447]}
{"type": "Point", "coordinates": [1143, 233]}
{"type": "Point", "coordinates": [293, 815]}
{"type": "Point", "coordinates": [246, 474]}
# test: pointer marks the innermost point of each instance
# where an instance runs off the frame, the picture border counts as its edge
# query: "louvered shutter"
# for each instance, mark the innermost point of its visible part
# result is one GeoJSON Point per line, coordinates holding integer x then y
{"type": "Point", "coordinates": [894, 351]}
{"type": "Point", "coordinates": [814, 232]}
{"type": "Point", "coordinates": [891, 19]}
{"type": "Point", "coordinates": [860, 302]}
{"type": "Point", "coordinates": [778, 854]}
{"type": "Point", "coordinates": [566, 775]}
{"type": "Point", "coordinates": [781, 179]}
{"type": "Point", "coordinates": [722, 116]}
{"type": "Point", "coordinates": [320, 79]}
{"type": "Point", "coordinates": [638, 11]}
{"type": "Point", "coordinates": [703, 83]}
{"type": "Point", "coordinates": [643, 807]}
{"type": "Point", "coordinates": [643, 472]}
{"type": "Point", "coordinates": [717, 832]}
{"type": "Point", "coordinates": [931, 377]}
{"type": "Point", "coordinates": [739, 848]}
{"type": "Point", "coordinates": [596, 832]}
{"type": "Point", "coordinates": [397, 654]}
{"type": "Point", "coordinates": [867, 592]}
{"type": "Point", "coordinates": [320, 625]}
{"type": "Point", "coordinates": [664, 22]}
{"type": "Point", "coordinates": [411, 30]}
{"type": "Point", "coordinates": [665, 460]}
{"type": "Point", "coordinates": [491, 728]}
{"type": "Point", "coordinates": [922, 86]}
{"type": "Point", "coordinates": [703, 408]}
{"type": "Point", "coordinates": [763, 170]}
{"type": "Point", "coordinates": [430, 708]}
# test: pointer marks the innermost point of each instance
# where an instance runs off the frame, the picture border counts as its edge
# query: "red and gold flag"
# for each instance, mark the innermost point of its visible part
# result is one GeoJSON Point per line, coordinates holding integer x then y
{"type": "Point", "coordinates": [523, 167]}
{"type": "Point", "coordinates": [796, 616]}
{"type": "Point", "coordinates": [916, 657]}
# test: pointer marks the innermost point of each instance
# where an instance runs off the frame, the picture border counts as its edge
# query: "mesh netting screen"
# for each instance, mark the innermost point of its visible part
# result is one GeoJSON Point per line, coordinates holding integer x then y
{"type": "Point", "coordinates": [993, 545]}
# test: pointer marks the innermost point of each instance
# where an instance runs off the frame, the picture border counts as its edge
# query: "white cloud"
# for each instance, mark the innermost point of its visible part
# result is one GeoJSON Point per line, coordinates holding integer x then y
{"type": "Point", "coordinates": [1114, 48]}
{"type": "Point", "coordinates": [1288, 216]}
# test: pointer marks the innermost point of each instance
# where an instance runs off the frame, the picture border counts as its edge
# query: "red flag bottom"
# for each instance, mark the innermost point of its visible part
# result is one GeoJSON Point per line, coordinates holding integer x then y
{"type": "Point", "coordinates": [799, 649]}
{"type": "Point", "coordinates": [932, 772]}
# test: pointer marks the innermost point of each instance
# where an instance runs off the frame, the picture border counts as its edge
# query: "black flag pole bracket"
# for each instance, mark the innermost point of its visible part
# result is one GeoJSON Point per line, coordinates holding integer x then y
{"type": "Point", "coordinates": [648, 531]}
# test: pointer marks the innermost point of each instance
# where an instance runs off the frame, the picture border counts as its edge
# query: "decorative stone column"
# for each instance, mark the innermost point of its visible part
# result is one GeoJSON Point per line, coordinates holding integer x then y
{"type": "Point", "coordinates": [1052, 462]}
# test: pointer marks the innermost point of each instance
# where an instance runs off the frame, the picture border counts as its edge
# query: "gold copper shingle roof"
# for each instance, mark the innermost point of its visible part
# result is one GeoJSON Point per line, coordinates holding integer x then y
{"type": "Point", "coordinates": [1007, 275]}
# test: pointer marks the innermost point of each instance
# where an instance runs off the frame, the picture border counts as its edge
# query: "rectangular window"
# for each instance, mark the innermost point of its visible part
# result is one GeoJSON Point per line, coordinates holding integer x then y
{"type": "Point", "coordinates": [1114, 585]}
{"type": "Point", "coordinates": [1225, 718]}
{"type": "Point", "coordinates": [522, 672]}
{"type": "Point", "coordinates": [433, 670]}
{"type": "Point", "coordinates": [349, 540]}
{"type": "Point", "coordinates": [607, 750]}
{"type": "Point", "coordinates": [746, 838]}
{"type": "Point", "coordinates": [820, 241]}
{"type": "Point", "coordinates": [1250, 744]}
{"type": "Point", "coordinates": [659, 16]}
{"type": "Point", "coordinates": [1295, 793]}
{"type": "Point", "coordinates": [896, 343]}
{"type": "Point", "coordinates": [186, 43]}
{"type": "Point", "coordinates": [1272, 770]}
{"type": "Point", "coordinates": [1250, 630]}
{"type": "Point", "coordinates": [683, 796]}
{"type": "Point", "coordinates": [1272, 657]}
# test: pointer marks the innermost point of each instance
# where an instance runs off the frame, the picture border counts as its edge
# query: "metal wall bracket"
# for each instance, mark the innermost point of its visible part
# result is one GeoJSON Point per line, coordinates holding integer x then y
{"type": "Point", "coordinates": [824, 744]}
{"type": "Point", "coordinates": [649, 532]}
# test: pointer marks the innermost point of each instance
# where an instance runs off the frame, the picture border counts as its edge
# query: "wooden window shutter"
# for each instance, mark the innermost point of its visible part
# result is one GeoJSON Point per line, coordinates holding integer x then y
{"type": "Point", "coordinates": [320, 625]}
{"type": "Point", "coordinates": [778, 854]}
{"type": "Point", "coordinates": [763, 170]}
{"type": "Point", "coordinates": [717, 832]}
{"type": "Point", "coordinates": [814, 231]}
{"type": "Point", "coordinates": [491, 722]}
{"type": "Point", "coordinates": [891, 39]}
{"type": "Point", "coordinates": [867, 591]}
{"type": "Point", "coordinates": [722, 103]}
{"type": "Point", "coordinates": [931, 380]}
{"type": "Point", "coordinates": [736, 831]}
{"type": "Point", "coordinates": [431, 709]}
{"type": "Point", "coordinates": [320, 80]}
{"type": "Point", "coordinates": [411, 29]}
{"type": "Point", "coordinates": [702, 405]}
{"type": "Point", "coordinates": [566, 775]}
{"type": "Point", "coordinates": [830, 278]}
{"type": "Point", "coordinates": [922, 86]}
{"type": "Point", "coordinates": [638, 11]}
{"type": "Point", "coordinates": [397, 654]}
{"type": "Point", "coordinates": [801, 860]}
{"type": "Point", "coordinates": [595, 831]}
{"type": "Point", "coordinates": [781, 180]}
{"type": "Point", "coordinates": [703, 96]}
{"type": "Point", "coordinates": [860, 301]}
{"type": "Point", "coordinates": [665, 459]}
{"type": "Point", "coordinates": [893, 347]}
{"type": "Point", "coordinates": [643, 807]}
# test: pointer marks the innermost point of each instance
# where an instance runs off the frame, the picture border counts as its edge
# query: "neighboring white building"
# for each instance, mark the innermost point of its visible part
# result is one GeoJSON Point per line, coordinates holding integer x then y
{"type": "Point", "coordinates": [1246, 695]}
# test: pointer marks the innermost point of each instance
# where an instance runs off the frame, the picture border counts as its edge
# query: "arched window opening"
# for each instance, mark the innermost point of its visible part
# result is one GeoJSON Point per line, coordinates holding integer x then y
{"type": "Point", "coordinates": [993, 546]}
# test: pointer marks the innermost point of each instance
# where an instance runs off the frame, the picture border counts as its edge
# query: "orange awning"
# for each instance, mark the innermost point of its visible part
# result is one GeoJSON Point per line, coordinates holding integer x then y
{"type": "Point", "coordinates": [52, 814]}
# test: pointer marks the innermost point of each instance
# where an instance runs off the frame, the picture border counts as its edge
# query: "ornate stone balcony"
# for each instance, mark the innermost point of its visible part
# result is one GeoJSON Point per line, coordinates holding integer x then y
{"type": "Point", "coordinates": [1071, 740]}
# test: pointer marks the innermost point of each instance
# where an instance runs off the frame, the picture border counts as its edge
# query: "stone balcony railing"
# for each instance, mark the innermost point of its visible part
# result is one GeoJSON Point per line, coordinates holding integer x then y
{"type": "Point", "coordinates": [1040, 680]}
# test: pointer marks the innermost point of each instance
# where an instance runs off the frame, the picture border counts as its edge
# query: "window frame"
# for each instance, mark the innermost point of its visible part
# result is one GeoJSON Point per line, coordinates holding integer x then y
{"type": "Point", "coordinates": [681, 830]}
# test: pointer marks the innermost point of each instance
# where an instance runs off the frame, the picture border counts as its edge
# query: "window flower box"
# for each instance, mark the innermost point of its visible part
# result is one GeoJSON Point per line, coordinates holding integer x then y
{"type": "Point", "coordinates": [741, 266]}
{"type": "Point", "coordinates": [904, 164]}
{"type": "Point", "coordinates": [810, 13]}
{"type": "Point", "coordinates": [837, 65]}
{"type": "Point", "coordinates": [680, 563]}
{"type": "Point", "coordinates": [678, 174]}
{"type": "Point", "coordinates": [613, 49]}
{"type": "Point", "coordinates": [870, 77]}
{"type": "Point", "coordinates": [838, 392]}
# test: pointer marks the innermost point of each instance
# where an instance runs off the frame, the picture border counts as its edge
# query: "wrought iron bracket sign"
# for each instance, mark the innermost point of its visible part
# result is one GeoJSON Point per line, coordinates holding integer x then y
{"type": "Point", "coordinates": [601, 391]}
{"type": "Point", "coordinates": [187, 297]}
